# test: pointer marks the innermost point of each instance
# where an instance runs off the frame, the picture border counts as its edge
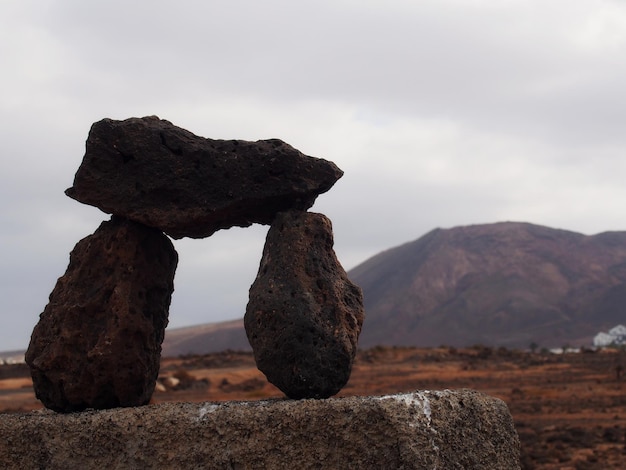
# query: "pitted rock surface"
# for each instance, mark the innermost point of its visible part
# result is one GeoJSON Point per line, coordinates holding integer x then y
{"type": "Point", "coordinates": [152, 172]}
{"type": "Point", "coordinates": [304, 316]}
{"type": "Point", "coordinates": [98, 341]}
{"type": "Point", "coordinates": [460, 429]}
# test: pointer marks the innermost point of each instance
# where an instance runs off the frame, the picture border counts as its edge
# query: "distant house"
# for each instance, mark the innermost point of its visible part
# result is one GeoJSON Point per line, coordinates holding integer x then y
{"type": "Point", "coordinates": [615, 337]}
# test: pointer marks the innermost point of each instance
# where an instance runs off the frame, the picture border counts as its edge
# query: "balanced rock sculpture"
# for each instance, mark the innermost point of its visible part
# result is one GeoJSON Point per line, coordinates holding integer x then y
{"type": "Point", "coordinates": [152, 172]}
{"type": "Point", "coordinates": [98, 341]}
{"type": "Point", "coordinates": [304, 315]}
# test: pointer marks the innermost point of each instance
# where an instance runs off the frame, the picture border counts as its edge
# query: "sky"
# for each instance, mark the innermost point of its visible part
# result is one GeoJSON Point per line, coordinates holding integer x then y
{"type": "Point", "coordinates": [441, 113]}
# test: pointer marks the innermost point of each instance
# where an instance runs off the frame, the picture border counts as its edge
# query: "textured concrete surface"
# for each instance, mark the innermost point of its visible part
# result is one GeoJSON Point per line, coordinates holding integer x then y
{"type": "Point", "coordinates": [443, 430]}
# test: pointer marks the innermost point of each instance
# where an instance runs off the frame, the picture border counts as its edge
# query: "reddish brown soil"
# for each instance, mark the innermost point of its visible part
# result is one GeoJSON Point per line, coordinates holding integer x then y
{"type": "Point", "coordinates": [569, 410]}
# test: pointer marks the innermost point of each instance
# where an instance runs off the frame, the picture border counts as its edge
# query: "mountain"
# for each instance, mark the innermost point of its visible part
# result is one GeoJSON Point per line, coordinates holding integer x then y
{"type": "Point", "coordinates": [202, 339]}
{"type": "Point", "coordinates": [504, 284]}
{"type": "Point", "coordinates": [507, 284]}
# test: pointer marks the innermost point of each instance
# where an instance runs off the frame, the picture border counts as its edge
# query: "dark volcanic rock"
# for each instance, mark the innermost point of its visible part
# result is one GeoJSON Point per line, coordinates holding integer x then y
{"type": "Point", "coordinates": [98, 341]}
{"type": "Point", "coordinates": [304, 315]}
{"type": "Point", "coordinates": [155, 173]}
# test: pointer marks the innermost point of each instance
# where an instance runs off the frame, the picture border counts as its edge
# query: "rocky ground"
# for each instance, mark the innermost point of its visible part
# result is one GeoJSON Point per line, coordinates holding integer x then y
{"type": "Point", "coordinates": [569, 410]}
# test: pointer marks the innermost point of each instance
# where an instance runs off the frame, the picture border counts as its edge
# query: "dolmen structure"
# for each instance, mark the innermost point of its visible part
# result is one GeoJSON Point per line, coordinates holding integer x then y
{"type": "Point", "coordinates": [98, 341]}
{"type": "Point", "coordinates": [94, 354]}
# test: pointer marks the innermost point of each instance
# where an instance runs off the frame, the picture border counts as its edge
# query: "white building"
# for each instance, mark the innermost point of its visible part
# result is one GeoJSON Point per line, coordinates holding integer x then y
{"type": "Point", "coordinates": [616, 337]}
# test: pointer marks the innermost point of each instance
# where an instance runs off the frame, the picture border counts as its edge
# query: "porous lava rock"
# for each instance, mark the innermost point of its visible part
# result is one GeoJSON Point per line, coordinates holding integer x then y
{"type": "Point", "coordinates": [152, 172]}
{"type": "Point", "coordinates": [98, 341]}
{"type": "Point", "coordinates": [304, 316]}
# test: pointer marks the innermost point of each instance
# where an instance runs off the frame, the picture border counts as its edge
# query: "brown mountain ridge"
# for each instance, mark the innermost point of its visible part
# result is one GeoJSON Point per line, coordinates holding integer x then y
{"type": "Point", "coordinates": [503, 284]}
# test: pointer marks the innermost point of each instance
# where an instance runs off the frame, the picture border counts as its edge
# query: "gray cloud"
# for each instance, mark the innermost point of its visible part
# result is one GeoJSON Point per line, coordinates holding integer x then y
{"type": "Point", "coordinates": [441, 113]}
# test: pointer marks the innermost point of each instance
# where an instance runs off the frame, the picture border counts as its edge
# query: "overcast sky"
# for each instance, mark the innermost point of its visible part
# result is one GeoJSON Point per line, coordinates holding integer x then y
{"type": "Point", "coordinates": [441, 113]}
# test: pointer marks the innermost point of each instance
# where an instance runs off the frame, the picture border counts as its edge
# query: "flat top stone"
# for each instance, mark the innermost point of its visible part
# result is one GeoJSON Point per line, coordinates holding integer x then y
{"type": "Point", "coordinates": [419, 430]}
{"type": "Point", "coordinates": [153, 172]}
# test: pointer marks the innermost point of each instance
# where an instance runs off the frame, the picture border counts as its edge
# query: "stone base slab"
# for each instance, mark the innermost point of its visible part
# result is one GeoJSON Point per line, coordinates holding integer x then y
{"type": "Point", "coordinates": [419, 430]}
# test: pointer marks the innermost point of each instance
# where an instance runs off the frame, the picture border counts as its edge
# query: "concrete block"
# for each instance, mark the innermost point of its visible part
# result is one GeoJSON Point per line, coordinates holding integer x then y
{"type": "Point", "coordinates": [450, 429]}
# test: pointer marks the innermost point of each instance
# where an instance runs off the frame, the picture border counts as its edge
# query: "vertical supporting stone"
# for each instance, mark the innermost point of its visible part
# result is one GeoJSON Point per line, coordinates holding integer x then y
{"type": "Point", "coordinates": [98, 341]}
{"type": "Point", "coordinates": [304, 315]}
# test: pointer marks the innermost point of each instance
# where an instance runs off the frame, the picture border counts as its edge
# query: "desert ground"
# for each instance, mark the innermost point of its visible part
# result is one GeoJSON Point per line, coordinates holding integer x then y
{"type": "Point", "coordinates": [569, 409]}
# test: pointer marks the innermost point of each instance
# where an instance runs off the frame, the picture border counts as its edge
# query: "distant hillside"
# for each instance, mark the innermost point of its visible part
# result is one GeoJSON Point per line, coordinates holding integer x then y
{"type": "Point", "coordinates": [505, 284]}
{"type": "Point", "coordinates": [201, 339]}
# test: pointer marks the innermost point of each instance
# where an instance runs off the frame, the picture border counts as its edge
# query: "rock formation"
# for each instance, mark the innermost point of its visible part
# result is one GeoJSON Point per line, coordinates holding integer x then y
{"type": "Point", "coordinates": [152, 172]}
{"type": "Point", "coordinates": [98, 341]}
{"type": "Point", "coordinates": [304, 315]}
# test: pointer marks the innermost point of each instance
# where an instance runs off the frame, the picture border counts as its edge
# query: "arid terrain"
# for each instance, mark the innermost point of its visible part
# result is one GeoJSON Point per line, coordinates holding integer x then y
{"type": "Point", "coordinates": [569, 409]}
{"type": "Point", "coordinates": [506, 284]}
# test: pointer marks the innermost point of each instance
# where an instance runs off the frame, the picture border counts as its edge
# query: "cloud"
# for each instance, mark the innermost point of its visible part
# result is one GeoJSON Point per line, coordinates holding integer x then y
{"type": "Point", "coordinates": [441, 113]}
